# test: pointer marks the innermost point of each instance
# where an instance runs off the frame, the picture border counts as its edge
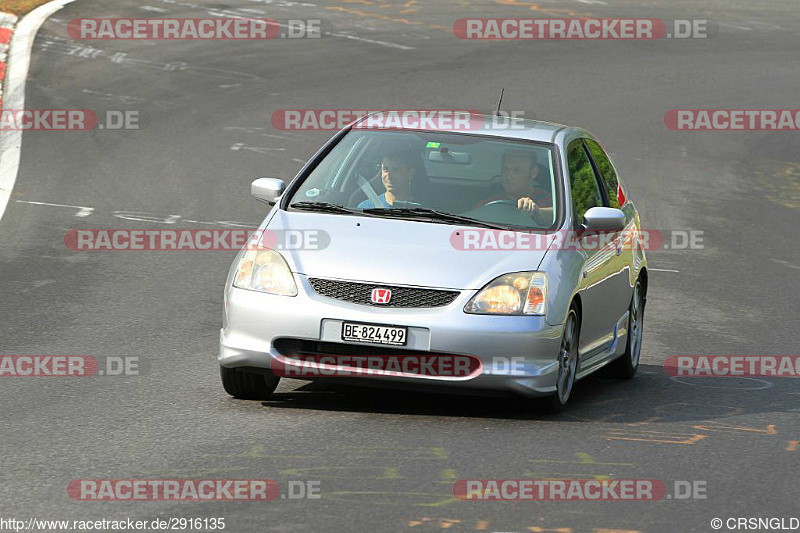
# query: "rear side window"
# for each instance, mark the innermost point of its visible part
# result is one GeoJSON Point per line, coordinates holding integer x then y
{"type": "Point", "coordinates": [583, 182]}
{"type": "Point", "coordinates": [615, 195]}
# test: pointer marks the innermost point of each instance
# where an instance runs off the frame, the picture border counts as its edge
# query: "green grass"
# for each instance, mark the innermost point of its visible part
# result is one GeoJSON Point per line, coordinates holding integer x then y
{"type": "Point", "coordinates": [20, 7]}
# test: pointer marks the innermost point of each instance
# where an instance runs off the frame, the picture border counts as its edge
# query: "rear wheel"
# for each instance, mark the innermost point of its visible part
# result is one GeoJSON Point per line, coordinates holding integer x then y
{"type": "Point", "coordinates": [625, 367]}
{"type": "Point", "coordinates": [567, 364]}
{"type": "Point", "coordinates": [248, 385]}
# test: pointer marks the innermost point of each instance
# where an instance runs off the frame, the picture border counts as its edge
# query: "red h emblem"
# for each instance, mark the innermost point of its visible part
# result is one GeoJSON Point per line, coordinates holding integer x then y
{"type": "Point", "coordinates": [381, 296]}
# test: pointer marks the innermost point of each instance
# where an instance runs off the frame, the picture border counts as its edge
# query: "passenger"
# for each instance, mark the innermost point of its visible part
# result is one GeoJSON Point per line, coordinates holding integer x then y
{"type": "Point", "coordinates": [397, 176]}
{"type": "Point", "coordinates": [523, 186]}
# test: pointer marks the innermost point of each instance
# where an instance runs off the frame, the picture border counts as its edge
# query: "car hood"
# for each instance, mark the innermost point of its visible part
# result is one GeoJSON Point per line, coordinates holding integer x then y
{"type": "Point", "coordinates": [390, 251]}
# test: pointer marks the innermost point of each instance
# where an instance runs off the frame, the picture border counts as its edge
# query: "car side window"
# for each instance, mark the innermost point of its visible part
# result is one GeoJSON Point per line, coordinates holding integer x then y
{"type": "Point", "coordinates": [583, 181]}
{"type": "Point", "coordinates": [607, 173]}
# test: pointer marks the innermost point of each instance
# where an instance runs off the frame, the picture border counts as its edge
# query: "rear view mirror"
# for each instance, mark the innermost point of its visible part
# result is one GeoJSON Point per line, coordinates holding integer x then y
{"type": "Point", "coordinates": [446, 156]}
{"type": "Point", "coordinates": [267, 189]}
{"type": "Point", "coordinates": [604, 219]}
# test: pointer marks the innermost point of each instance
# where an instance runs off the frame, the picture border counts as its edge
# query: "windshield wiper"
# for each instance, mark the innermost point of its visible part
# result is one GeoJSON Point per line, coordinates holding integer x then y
{"type": "Point", "coordinates": [325, 207]}
{"type": "Point", "coordinates": [433, 215]}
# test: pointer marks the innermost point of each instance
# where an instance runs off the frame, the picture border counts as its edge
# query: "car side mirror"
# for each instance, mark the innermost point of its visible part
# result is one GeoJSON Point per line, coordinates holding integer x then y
{"type": "Point", "coordinates": [604, 219]}
{"type": "Point", "coordinates": [267, 189]}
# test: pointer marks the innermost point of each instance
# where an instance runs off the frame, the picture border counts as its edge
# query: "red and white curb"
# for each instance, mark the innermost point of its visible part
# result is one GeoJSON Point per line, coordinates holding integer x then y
{"type": "Point", "coordinates": [15, 57]}
{"type": "Point", "coordinates": [7, 22]}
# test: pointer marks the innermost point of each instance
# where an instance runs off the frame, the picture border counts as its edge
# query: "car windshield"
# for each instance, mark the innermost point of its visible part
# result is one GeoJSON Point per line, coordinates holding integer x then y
{"type": "Point", "coordinates": [438, 177]}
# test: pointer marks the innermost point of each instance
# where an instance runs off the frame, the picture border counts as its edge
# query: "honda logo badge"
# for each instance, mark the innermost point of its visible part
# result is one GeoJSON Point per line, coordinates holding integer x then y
{"type": "Point", "coordinates": [381, 296]}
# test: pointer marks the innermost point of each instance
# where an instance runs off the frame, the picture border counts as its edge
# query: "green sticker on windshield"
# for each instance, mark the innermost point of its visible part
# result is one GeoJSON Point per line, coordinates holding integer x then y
{"type": "Point", "coordinates": [433, 145]}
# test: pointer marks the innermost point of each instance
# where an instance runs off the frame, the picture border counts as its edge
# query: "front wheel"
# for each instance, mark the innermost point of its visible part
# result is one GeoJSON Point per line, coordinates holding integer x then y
{"type": "Point", "coordinates": [625, 367]}
{"type": "Point", "coordinates": [248, 385]}
{"type": "Point", "coordinates": [567, 364]}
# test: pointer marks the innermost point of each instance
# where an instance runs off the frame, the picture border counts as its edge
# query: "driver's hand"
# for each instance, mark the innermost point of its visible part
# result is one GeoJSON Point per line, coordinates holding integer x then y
{"type": "Point", "coordinates": [526, 204]}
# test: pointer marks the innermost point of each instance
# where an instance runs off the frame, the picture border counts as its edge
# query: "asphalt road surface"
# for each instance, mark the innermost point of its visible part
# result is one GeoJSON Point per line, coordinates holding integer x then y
{"type": "Point", "coordinates": [387, 461]}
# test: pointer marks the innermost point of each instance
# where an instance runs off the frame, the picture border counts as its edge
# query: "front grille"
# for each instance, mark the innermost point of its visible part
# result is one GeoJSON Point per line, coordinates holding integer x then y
{"type": "Point", "coordinates": [291, 347]}
{"type": "Point", "coordinates": [361, 293]}
{"type": "Point", "coordinates": [313, 351]}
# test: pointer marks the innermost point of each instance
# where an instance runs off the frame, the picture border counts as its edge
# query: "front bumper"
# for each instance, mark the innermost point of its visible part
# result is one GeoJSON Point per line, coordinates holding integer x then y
{"type": "Point", "coordinates": [518, 353]}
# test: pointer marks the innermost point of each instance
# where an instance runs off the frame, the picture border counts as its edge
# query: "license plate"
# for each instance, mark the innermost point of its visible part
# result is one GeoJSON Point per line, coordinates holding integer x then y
{"type": "Point", "coordinates": [392, 335]}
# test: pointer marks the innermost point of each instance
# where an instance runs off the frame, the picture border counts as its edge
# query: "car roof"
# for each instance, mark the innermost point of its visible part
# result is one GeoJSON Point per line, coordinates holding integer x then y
{"type": "Point", "coordinates": [501, 127]}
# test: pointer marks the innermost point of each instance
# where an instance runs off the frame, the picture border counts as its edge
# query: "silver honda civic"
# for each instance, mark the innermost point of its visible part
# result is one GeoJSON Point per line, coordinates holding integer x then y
{"type": "Point", "coordinates": [481, 259]}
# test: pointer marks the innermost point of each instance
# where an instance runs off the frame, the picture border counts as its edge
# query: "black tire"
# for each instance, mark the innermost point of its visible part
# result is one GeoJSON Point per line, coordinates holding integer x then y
{"type": "Point", "coordinates": [568, 364]}
{"type": "Point", "coordinates": [625, 366]}
{"type": "Point", "coordinates": [248, 385]}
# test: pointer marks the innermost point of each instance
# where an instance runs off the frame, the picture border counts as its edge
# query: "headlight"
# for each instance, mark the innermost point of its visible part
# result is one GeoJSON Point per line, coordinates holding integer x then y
{"type": "Point", "coordinates": [518, 293]}
{"type": "Point", "coordinates": [265, 271]}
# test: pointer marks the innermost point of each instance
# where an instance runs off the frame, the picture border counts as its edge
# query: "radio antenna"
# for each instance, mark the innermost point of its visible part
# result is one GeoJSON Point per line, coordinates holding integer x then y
{"type": "Point", "coordinates": [500, 101]}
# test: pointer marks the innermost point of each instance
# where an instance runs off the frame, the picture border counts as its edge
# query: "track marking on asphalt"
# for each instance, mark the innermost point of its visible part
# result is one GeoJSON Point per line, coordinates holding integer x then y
{"type": "Point", "coordinates": [241, 146]}
{"type": "Point", "coordinates": [256, 131]}
{"type": "Point", "coordinates": [248, 12]}
{"type": "Point", "coordinates": [785, 263]}
{"type": "Point", "coordinates": [82, 211]}
{"type": "Point", "coordinates": [584, 460]}
{"type": "Point", "coordinates": [272, 3]}
{"type": "Point", "coordinates": [764, 384]}
{"type": "Point", "coordinates": [146, 217]}
{"type": "Point", "coordinates": [226, 13]}
{"type": "Point", "coordinates": [281, 3]}
{"type": "Point", "coordinates": [680, 437]}
{"type": "Point", "coordinates": [719, 426]}
{"type": "Point", "coordinates": [252, 11]}
{"type": "Point", "coordinates": [768, 24]}
{"type": "Point", "coordinates": [663, 270]}
{"type": "Point", "coordinates": [377, 459]}
{"type": "Point", "coordinates": [66, 47]}
{"type": "Point", "coordinates": [109, 96]}
{"type": "Point", "coordinates": [19, 58]}
{"type": "Point", "coordinates": [58, 21]}
{"type": "Point", "coordinates": [137, 216]}
{"type": "Point", "coordinates": [745, 28]}
{"type": "Point", "coordinates": [780, 181]}
{"type": "Point", "coordinates": [539, 9]}
{"type": "Point", "coordinates": [657, 437]}
{"type": "Point", "coordinates": [370, 41]}
{"type": "Point", "coordinates": [368, 14]}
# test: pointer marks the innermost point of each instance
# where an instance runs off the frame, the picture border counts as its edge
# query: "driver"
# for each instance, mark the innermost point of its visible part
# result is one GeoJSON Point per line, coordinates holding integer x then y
{"type": "Point", "coordinates": [397, 176]}
{"type": "Point", "coordinates": [520, 184]}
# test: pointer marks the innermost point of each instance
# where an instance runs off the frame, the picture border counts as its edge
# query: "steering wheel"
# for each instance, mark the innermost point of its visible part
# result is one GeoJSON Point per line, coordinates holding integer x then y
{"type": "Point", "coordinates": [506, 202]}
{"type": "Point", "coordinates": [502, 212]}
